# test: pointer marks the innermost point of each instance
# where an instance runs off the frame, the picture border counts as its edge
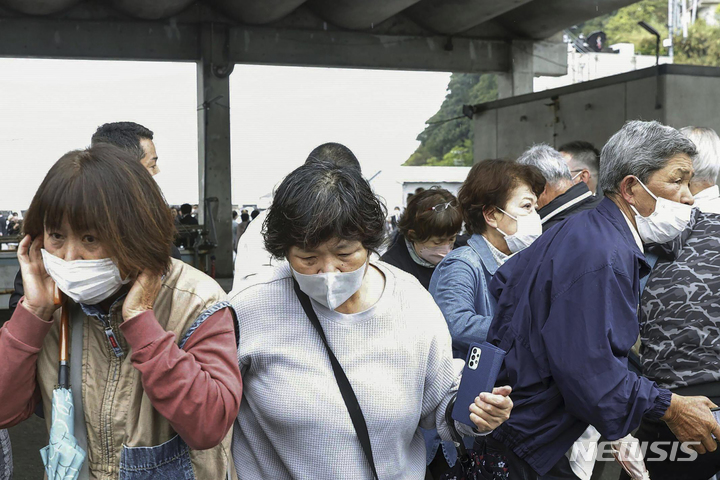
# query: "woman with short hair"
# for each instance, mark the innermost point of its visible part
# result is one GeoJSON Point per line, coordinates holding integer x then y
{"type": "Point", "coordinates": [427, 232]}
{"type": "Point", "coordinates": [152, 339]}
{"type": "Point", "coordinates": [498, 201]}
{"type": "Point", "coordinates": [390, 341]}
{"type": "Point", "coordinates": [499, 204]}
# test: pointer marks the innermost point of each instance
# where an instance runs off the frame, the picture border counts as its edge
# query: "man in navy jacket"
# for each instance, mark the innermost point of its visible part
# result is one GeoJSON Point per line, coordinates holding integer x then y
{"type": "Point", "coordinates": [567, 312]}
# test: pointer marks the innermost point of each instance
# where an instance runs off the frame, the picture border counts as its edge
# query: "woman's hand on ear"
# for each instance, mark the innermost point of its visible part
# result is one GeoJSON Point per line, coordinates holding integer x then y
{"type": "Point", "coordinates": [39, 286]}
{"type": "Point", "coordinates": [142, 295]}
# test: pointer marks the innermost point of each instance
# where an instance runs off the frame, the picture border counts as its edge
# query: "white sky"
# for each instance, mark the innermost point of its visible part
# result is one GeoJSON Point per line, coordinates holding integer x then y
{"type": "Point", "coordinates": [279, 114]}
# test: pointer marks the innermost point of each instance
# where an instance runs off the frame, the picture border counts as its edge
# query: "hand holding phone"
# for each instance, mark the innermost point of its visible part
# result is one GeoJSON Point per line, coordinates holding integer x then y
{"type": "Point", "coordinates": [479, 375]}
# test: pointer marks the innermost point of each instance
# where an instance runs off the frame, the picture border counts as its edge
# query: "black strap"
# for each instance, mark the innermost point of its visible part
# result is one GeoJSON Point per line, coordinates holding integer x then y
{"type": "Point", "coordinates": [346, 390]}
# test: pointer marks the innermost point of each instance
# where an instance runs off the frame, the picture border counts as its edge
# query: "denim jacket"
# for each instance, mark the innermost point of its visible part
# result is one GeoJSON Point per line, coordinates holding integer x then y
{"type": "Point", "coordinates": [459, 286]}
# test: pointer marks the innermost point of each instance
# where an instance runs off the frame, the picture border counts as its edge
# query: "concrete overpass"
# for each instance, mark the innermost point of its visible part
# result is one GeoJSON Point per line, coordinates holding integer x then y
{"type": "Point", "coordinates": [513, 38]}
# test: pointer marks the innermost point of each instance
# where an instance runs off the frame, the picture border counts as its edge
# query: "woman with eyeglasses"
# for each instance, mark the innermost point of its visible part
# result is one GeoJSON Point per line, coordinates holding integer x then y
{"type": "Point", "coordinates": [428, 231]}
{"type": "Point", "coordinates": [498, 201]}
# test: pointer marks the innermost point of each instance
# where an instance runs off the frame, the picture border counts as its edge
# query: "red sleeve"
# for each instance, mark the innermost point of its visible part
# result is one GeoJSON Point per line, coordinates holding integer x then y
{"type": "Point", "coordinates": [199, 383]}
{"type": "Point", "coordinates": [21, 340]}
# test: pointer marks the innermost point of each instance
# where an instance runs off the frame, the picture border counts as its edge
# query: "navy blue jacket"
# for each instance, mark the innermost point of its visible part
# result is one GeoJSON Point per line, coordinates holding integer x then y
{"type": "Point", "coordinates": [567, 315]}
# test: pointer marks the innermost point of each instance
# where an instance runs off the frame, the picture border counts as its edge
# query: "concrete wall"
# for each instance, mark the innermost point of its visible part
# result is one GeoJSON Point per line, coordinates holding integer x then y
{"type": "Point", "coordinates": [693, 101]}
{"type": "Point", "coordinates": [593, 111]}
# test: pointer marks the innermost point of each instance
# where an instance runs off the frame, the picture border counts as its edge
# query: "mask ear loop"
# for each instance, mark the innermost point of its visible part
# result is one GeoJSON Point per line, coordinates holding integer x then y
{"type": "Point", "coordinates": [649, 193]}
{"type": "Point", "coordinates": [509, 215]}
{"type": "Point", "coordinates": [646, 188]}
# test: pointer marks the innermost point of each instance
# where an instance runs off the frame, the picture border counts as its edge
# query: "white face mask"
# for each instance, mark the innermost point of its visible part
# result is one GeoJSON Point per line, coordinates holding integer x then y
{"type": "Point", "coordinates": [529, 228]}
{"type": "Point", "coordinates": [85, 281]}
{"type": "Point", "coordinates": [667, 221]}
{"type": "Point", "coordinates": [331, 289]}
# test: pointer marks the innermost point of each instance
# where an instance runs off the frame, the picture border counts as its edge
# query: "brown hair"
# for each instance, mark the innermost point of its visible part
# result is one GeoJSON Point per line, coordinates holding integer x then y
{"type": "Point", "coordinates": [425, 222]}
{"type": "Point", "coordinates": [489, 184]}
{"type": "Point", "coordinates": [105, 189]}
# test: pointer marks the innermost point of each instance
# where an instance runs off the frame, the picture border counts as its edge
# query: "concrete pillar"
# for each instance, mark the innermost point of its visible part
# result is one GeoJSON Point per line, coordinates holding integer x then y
{"type": "Point", "coordinates": [214, 172]}
{"type": "Point", "coordinates": [519, 80]}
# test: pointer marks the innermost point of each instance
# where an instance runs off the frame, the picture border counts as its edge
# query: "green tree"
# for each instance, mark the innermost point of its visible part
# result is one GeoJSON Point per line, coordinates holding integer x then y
{"type": "Point", "coordinates": [443, 136]}
{"type": "Point", "coordinates": [701, 47]}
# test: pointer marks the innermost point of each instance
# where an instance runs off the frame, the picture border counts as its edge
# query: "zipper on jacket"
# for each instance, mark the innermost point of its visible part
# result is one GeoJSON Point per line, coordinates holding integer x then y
{"type": "Point", "coordinates": [108, 399]}
{"type": "Point", "coordinates": [110, 334]}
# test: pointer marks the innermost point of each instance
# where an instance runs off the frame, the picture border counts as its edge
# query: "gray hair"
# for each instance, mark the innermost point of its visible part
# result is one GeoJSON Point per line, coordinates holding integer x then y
{"type": "Point", "coordinates": [639, 149]}
{"type": "Point", "coordinates": [549, 161]}
{"type": "Point", "coordinates": [707, 161]}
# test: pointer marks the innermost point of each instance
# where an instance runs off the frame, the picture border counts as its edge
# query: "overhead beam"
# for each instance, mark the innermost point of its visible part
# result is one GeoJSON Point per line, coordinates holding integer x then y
{"type": "Point", "coordinates": [266, 46]}
{"type": "Point", "coordinates": [67, 39]}
{"type": "Point", "coordinates": [97, 40]}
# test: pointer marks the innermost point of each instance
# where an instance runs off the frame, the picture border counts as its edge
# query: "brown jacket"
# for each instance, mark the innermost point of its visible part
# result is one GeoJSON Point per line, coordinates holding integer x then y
{"type": "Point", "coordinates": [118, 413]}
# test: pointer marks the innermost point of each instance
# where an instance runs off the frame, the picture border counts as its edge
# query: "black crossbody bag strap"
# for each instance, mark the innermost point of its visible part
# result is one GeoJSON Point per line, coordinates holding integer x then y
{"type": "Point", "coordinates": [346, 390]}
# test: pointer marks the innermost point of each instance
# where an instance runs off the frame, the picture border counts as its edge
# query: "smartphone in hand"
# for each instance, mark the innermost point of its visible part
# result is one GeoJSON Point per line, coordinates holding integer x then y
{"type": "Point", "coordinates": [479, 375]}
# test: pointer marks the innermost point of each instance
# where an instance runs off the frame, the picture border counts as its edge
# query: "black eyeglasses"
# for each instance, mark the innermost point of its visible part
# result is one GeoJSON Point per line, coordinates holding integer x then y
{"type": "Point", "coordinates": [441, 207]}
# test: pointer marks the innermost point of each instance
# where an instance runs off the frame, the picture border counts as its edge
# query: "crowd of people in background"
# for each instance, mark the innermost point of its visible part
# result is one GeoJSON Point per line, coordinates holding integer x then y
{"type": "Point", "coordinates": [10, 224]}
{"type": "Point", "coordinates": [340, 349]}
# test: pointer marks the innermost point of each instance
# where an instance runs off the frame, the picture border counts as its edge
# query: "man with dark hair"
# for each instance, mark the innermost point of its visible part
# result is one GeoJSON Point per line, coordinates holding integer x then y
{"type": "Point", "coordinates": [186, 218]}
{"type": "Point", "coordinates": [251, 254]}
{"type": "Point", "coordinates": [254, 214]}
{"type": "Point", "coordinates": [583, 160]}
{"type": "Point", "coordinates": [136, 139]}
{"type": "Point", "coordinates": [335, 153]}
{"type": "Point", "coordinates": [132, 137]}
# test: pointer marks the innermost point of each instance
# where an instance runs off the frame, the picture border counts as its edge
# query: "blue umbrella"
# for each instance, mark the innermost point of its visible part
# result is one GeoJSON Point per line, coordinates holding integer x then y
{"type": "Point", "coordinates": [63, 458]}
{"type": "Point", "coordinates": [6, 461]}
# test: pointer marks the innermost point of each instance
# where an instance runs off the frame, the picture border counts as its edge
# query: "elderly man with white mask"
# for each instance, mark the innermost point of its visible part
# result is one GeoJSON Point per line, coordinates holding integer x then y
{"type": "Point", "coordinates": [567, 312]}
{"type": "Point", "coordinates": [707, 168]}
